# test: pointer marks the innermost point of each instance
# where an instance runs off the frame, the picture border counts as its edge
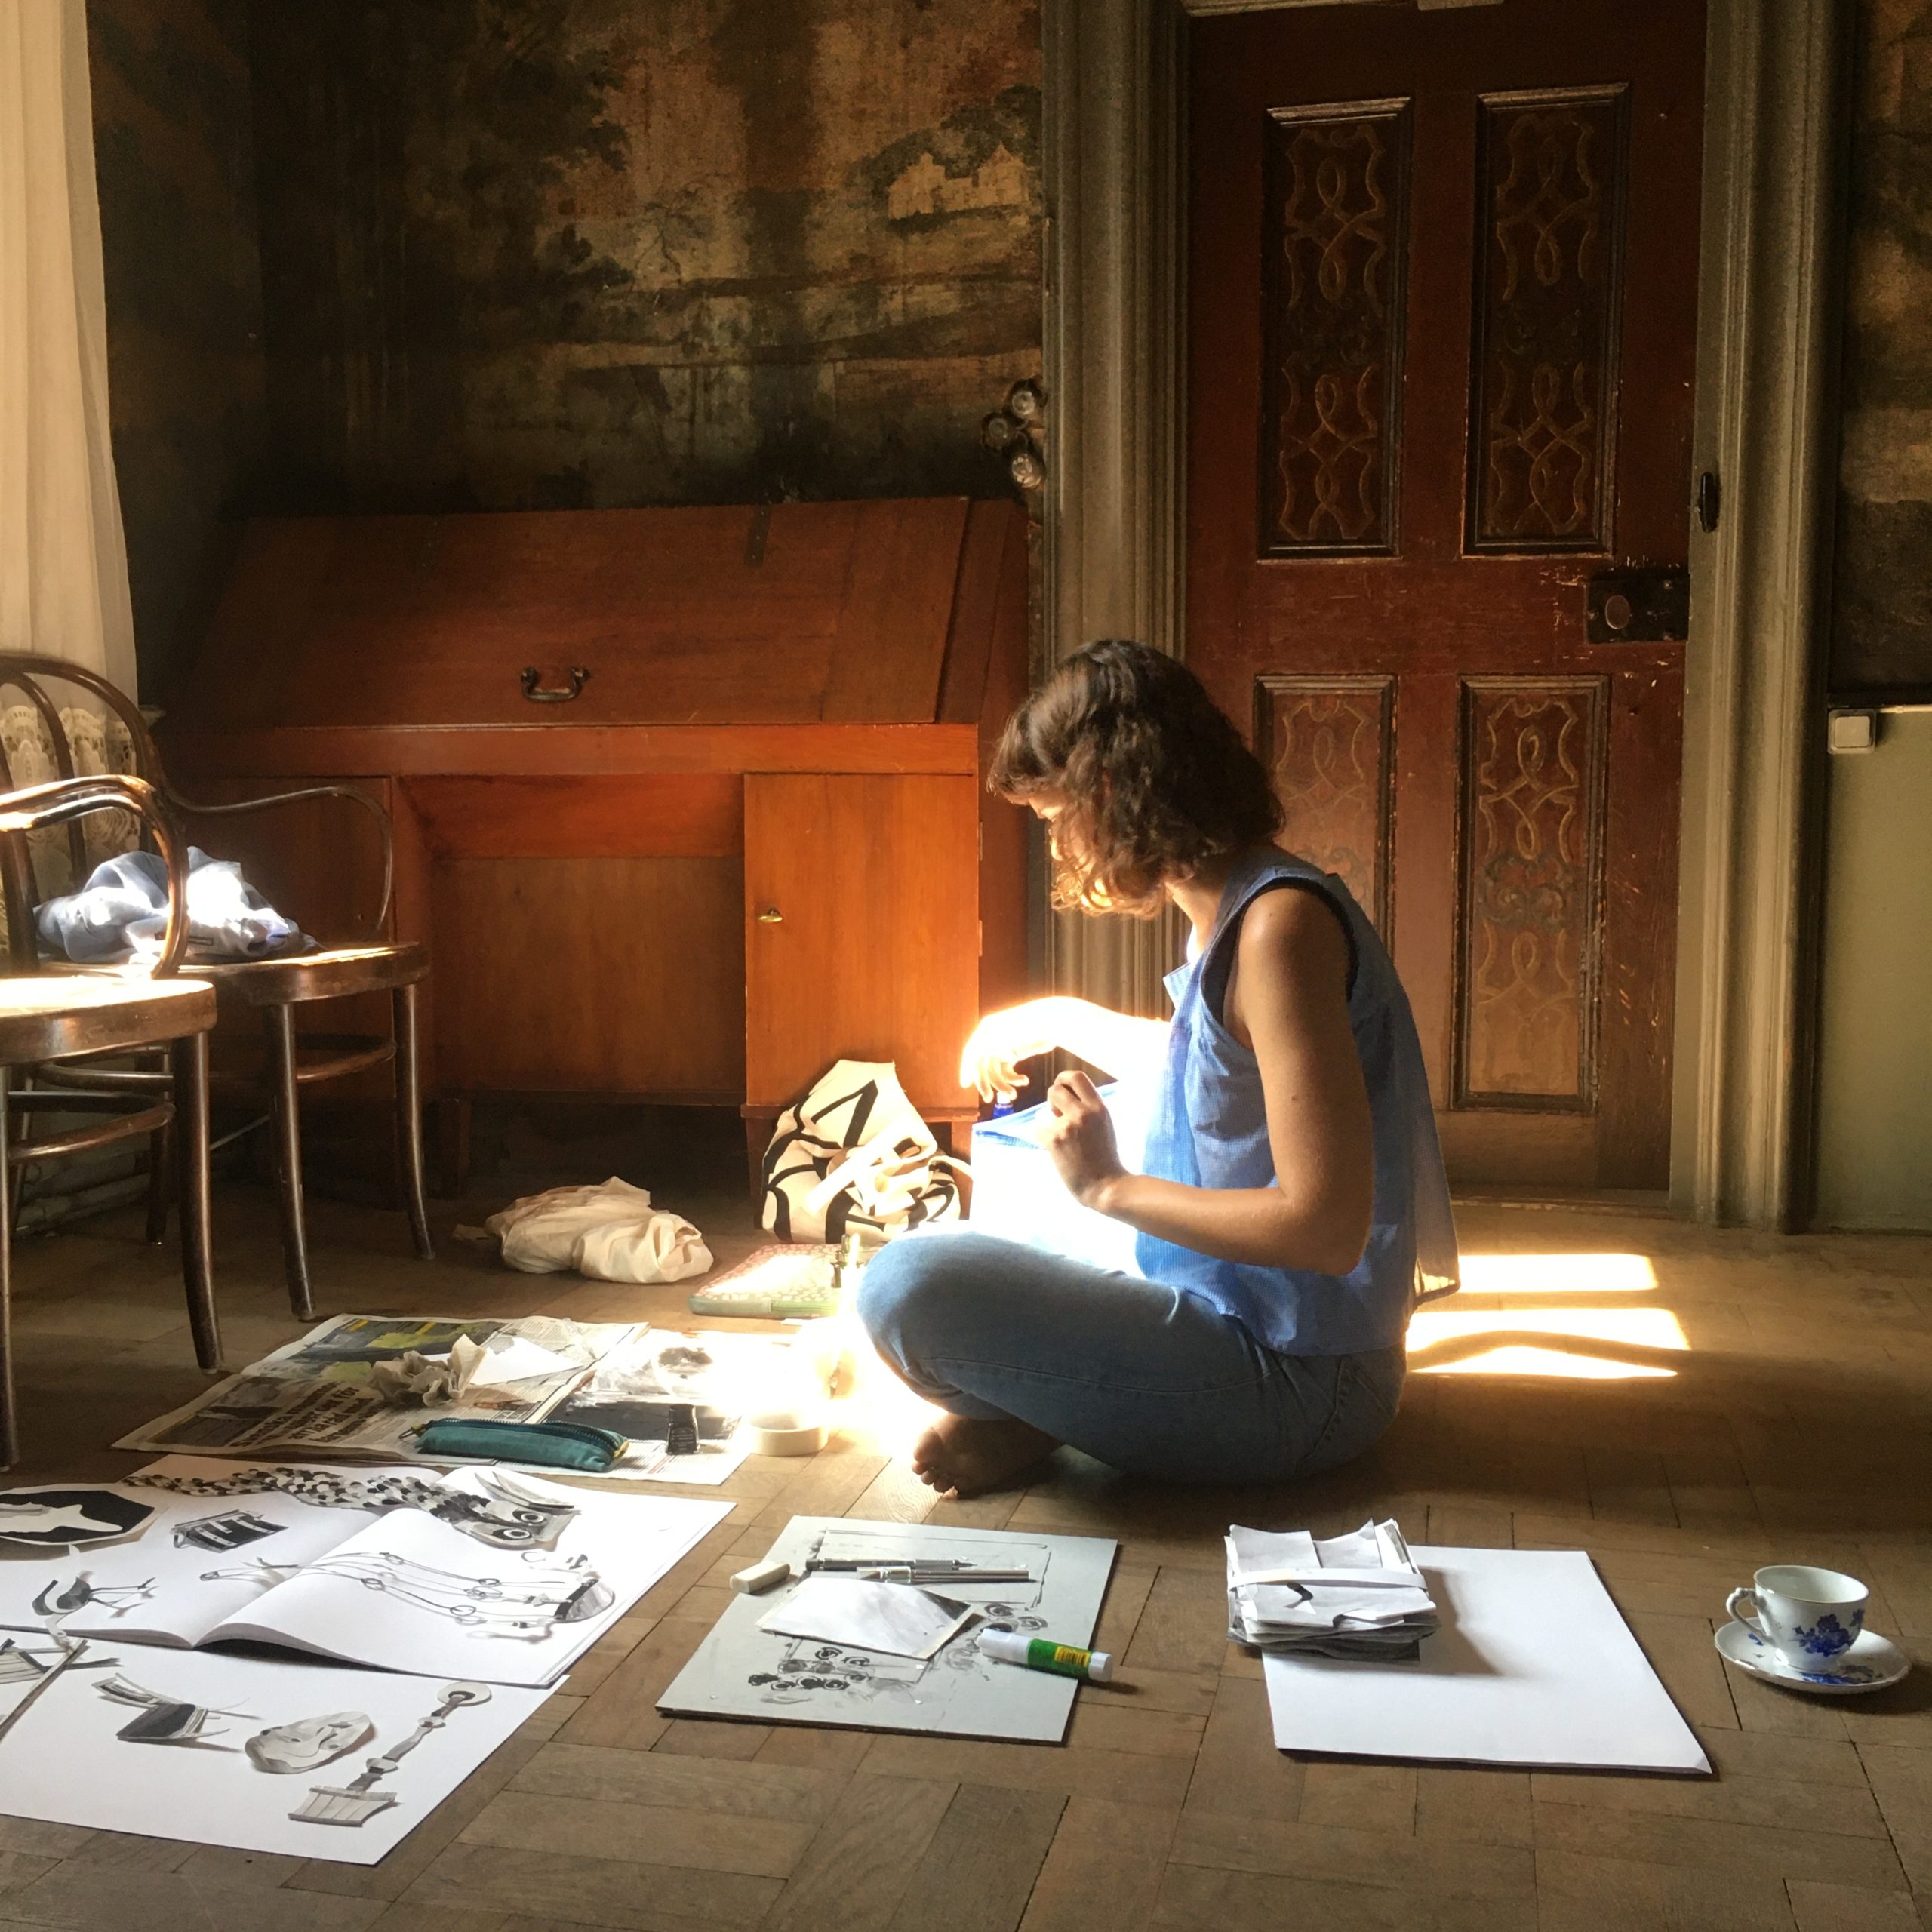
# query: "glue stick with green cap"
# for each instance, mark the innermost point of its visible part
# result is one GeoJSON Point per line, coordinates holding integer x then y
{"type": "Point", "coordinates": [1043, 1653]}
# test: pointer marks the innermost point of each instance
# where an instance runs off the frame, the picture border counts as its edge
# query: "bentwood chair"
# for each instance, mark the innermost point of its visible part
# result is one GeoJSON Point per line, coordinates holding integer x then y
{"type": "Point", "coordinates": [47, 1018]}
{"type": "Point", "coordinates": [272, 988]}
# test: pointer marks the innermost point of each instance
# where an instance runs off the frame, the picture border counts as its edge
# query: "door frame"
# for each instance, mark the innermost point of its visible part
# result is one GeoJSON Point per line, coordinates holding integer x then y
{"type": "Point", "coordinates": [1114, 159]}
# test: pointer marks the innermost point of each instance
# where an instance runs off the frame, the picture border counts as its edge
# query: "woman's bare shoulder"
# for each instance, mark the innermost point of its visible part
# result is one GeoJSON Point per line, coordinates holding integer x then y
{"type": "Point", "coordinates": [1298, 927]}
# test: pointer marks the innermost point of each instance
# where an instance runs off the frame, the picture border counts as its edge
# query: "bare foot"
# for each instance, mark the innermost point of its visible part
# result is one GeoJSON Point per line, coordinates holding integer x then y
{"type": "Point", "coordinates": [962, 1456]}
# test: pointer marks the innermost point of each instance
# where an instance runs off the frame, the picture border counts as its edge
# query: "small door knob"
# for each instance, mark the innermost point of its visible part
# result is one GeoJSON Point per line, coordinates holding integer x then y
{"type": "Point", "coordinates": [771, 916]}
{"type": "Point", "coordinates": [1616, 611]}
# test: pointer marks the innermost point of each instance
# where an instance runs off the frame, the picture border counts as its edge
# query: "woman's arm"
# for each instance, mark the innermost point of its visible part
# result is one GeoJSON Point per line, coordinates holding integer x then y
{"type": "Point", "coordinates": [1116, 1042]}
{"type": "Point", "coordinates": [1290, 999]}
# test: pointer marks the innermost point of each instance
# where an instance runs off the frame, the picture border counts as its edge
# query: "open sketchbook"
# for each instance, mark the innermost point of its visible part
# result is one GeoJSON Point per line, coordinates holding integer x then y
{"type": "Point", "coordinates": [483, 1573]}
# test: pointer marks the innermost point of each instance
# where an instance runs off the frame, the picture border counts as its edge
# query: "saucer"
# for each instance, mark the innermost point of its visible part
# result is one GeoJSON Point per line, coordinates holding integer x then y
{"type": "Point", "coordinates": [1872, 1663]}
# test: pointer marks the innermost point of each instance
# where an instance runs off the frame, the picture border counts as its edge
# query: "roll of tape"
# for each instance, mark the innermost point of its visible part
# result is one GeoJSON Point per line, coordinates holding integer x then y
{"type": "Point", "coordinates": [786, 1432]}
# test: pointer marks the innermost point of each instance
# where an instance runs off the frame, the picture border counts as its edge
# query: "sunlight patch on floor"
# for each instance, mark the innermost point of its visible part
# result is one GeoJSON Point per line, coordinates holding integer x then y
{"type": "Point", "coordinates": [1524, 1360]}
{"type": "Point", "coordinates": [1638, 1327]}
{"type": "Point", "coordinates": [1585, 1342]}
{"type": "Point", "coordinates": [1557, 1274]}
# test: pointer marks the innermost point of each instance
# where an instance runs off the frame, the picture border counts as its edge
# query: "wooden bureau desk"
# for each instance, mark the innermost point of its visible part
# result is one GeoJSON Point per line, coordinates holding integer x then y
{"type": "Point", "coordinates": [688, 803]}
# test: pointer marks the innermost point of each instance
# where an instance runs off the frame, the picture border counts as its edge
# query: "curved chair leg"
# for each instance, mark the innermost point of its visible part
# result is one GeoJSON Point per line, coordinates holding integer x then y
{"type": "Point", "coordinates": [161, 1174]}
{"type": "Point", "coordinates": [190, 1136]}
{"type": "Point", "coordinates": [10, 1430]}
{"type": "Point", "coordinates": [284, 1098]}
{"type": "Point", "coordinates": [409, 1119]}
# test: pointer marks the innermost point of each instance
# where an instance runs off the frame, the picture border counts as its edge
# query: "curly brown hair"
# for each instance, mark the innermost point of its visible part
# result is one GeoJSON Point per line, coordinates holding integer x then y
{"type": "Point", "coordinates": [1151, 778]}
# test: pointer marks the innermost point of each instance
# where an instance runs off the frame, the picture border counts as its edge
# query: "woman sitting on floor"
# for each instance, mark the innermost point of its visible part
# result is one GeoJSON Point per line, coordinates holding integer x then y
{"type": "Point", "coordinates": [1293, 1206]}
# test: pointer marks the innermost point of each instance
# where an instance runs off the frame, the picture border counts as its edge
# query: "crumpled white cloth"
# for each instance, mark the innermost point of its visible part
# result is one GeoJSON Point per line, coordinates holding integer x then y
{"type": "Point", "coordinates": [122, 912]}
{"type": "Point", "coordinates": [1358, 1595]}
{"type": "Point", "coordinates": [434, 1381]}
{"type": "Point", "coordinates": [612, 1233]}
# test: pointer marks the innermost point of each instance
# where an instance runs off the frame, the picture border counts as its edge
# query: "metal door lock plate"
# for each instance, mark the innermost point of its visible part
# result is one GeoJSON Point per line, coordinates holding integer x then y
{"type": "Point", "coordinates": [1648, 606]}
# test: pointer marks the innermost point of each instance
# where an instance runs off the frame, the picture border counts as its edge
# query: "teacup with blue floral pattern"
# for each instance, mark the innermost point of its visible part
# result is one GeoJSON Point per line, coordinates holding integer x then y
{"type": "Point", "coordinates": [1810, 1617]}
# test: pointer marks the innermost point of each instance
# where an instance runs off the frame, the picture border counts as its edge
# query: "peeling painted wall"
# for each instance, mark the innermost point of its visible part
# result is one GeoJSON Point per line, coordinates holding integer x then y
{"type": "Point", "coordinates": [1875, 1094]}
{"type": "Point", "coordinates": [1883, 624]}
{"type": "Point", "coordinates": [174, 157]}
{"type": "Point", "coordinates": [565, 253]}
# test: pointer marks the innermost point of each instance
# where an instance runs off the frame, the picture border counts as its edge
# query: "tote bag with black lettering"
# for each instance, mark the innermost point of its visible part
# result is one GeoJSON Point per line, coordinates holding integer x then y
{"type": "Point", "coordinates": [854, 1155]}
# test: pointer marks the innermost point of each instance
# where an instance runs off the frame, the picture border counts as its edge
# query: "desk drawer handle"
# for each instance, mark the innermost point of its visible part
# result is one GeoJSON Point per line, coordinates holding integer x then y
{"type": "Point", "coordinates": [543, 694]}
{"type": "Point", "coordinates": [771, 916]}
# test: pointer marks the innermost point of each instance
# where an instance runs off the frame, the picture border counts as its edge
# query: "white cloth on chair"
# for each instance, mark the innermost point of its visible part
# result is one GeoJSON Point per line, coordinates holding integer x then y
{"type": "Point", "coordinates": [121, 913]}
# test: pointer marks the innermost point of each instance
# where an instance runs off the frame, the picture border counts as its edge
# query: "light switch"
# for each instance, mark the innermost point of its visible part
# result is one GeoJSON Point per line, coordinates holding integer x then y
{"type": "Point", "coordinates": [1851, 731]}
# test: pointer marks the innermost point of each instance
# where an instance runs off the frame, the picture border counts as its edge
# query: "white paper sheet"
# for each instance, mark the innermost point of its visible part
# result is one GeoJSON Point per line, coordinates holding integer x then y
{"type": "Point", "coordinates": [743, 1671]}
{"type": "Point", "coordinates": [1533, 1666]}
{"type": "Point", "coordinates": [896, 1617]}
{"type": "Point", "coordinates": [64, 1761]}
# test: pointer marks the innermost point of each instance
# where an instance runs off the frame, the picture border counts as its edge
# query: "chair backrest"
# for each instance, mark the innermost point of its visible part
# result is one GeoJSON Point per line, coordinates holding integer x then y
{"type": "Point", "coordinates": [21, 888]}
{"type": "Point", "coordinates": [68, 800]}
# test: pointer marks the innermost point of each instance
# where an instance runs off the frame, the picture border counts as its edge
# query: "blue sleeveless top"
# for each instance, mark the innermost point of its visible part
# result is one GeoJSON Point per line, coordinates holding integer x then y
{"type": "Point", "coordinates": [1210, 1130]}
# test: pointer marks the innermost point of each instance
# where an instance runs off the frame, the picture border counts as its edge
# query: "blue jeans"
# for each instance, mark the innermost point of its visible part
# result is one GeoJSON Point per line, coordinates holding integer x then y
{"type": "Point", "coordinates": [1154, 1380]}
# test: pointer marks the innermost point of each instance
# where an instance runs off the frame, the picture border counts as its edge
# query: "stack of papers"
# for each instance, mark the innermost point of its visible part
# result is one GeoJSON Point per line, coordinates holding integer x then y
{"type": "Point", "coordinates": [1353, 1596]}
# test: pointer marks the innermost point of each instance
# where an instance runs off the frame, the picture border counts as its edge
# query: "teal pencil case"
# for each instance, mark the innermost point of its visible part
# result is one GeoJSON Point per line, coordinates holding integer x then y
{"type": "Point", "coordinates": [562, 1445]}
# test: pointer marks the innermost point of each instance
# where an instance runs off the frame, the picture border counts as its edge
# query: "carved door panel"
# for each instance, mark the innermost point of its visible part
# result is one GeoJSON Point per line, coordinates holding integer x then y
{"type": "Point", "coordinates": [1442, 303]}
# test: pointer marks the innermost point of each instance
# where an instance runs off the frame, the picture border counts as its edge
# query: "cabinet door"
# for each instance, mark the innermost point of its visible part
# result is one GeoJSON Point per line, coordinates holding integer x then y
{"type": "Point", "coordinates": [861, 930]}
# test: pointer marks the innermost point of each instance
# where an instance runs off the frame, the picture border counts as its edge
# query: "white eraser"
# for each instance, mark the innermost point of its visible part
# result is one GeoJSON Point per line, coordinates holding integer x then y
{"type": "Point", "coordinates": [760, 1577]}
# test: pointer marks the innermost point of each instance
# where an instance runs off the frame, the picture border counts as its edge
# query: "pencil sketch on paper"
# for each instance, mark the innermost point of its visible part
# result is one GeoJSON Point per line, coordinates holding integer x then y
{"type": "Point", "coordinates": [226, 1529]}
{"type": "Point", "coordinates": [360, 1799]}
{"type": "Point", "coordinates": [163, 1719]}
{"type": "Point", "coordinates": [43, 1519]}
{"type": "Point", "coordinates": [309, 1743]}
{"type": "Point", "coordinates": [58, 1601]}
{"type": "Point", "coordinates": [1049, 1584]}
{"type": "Point", "coordinates": [525, 1603]}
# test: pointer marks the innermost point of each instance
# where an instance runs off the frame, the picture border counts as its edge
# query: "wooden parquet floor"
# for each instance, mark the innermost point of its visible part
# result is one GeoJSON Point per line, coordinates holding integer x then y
{"type": "Point", "coordinates": [1788, 1416]}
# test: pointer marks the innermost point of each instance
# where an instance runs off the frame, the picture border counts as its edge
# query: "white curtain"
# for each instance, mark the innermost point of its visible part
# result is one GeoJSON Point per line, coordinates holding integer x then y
{"type": "Point", "coordinates": [64, 563]}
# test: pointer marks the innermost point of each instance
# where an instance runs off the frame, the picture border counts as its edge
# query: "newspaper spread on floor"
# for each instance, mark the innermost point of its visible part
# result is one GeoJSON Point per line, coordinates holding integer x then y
{"type": "Point", "coordinates": [361, 1386]}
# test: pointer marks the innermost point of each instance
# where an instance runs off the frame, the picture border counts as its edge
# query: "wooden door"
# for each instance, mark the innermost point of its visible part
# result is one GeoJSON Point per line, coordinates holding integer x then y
{"type": "Point", "coordinates": [861, 930]}
{"type": "Point", "coordinates": [1442, 302]}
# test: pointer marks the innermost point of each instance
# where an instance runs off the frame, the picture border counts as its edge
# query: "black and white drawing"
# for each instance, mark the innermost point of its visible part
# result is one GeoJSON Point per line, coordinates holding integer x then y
{"type": "Point", "coordinates": [525, 1603]}
{"type": "Point", "coordinates": [1044, 1585]}
{"type": "Point", "coordinates": [258, 1570]}
{"type": "Point", "coordinates": [806, 1669]}
{"type": "Point", "coordinates": [483, 1573]}
{"type": "Point", "coordinates": [59, 1600]}
{"type": "Point", "coordinates": [510, 1514]}
{"type": "Point", "coordinates": [309, 1743]}
{"type": "Point", "coordinates": [357, 1801]}
{"type": "Point", "coordinates": [163, 1719]}
{"type": "Point", "coordinates": [500, 1509]}
{"type": "Point", "coordinates": [256, 1748]}
{"type": "Point", "coordinates": [44, 1519]}
{"type": "Point", "coordinates": [18, 1665]}
{"type": "Point", "coordinates": [226, 1529]}
{"type": "Point", "coordinates": [70, 1654]}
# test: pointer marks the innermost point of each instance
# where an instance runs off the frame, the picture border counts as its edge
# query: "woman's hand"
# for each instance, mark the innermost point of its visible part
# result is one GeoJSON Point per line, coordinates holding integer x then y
{"type": "Point", "coordinates": [1078, 1134]}
{"type": "Point", "coordinates": [990, 1065]}
{"type": "Point", "coordinates": [1115, 1042]}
